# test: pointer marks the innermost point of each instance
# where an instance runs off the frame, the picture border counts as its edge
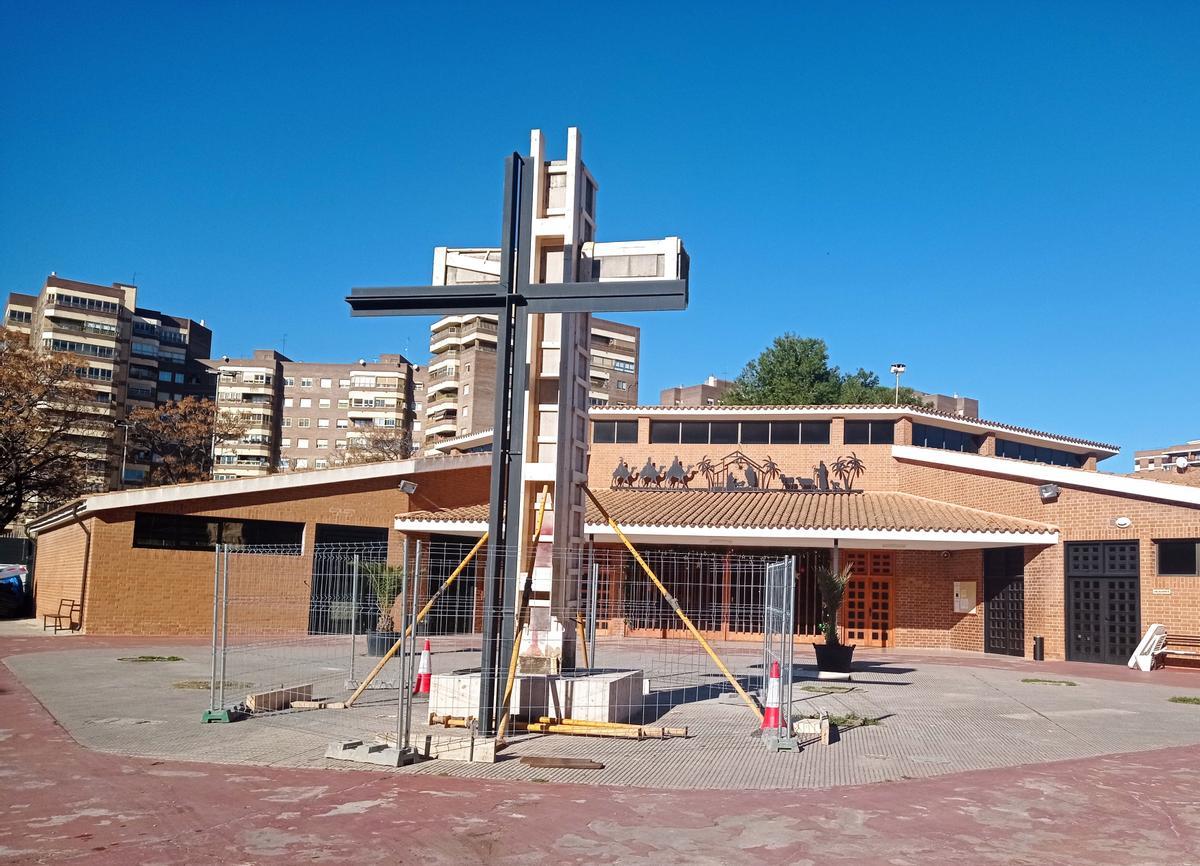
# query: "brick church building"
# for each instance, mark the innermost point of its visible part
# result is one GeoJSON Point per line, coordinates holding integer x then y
{"type": "Point", "coordinates": [964, 533]}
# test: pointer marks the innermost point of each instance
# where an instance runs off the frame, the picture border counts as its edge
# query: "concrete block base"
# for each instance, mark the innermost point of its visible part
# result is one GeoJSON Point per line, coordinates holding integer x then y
{"type": "Point", "coordinates": [809, 730]}
{"type": "Point", "coordinates": [370, 753]}
{"type": "Point", "coordinates": [594, 696]}
{"type": "Point", "coordinates": [447, 747]}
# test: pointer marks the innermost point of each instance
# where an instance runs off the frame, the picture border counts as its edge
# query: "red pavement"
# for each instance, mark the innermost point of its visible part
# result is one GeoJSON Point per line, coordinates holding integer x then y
{"type": "Point", "coordinates": [62, 803]}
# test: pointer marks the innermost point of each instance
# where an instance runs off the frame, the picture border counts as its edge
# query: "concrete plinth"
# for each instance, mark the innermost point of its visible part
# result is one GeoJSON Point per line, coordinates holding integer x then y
{"type": "Point", "coordinates": [594, 696]}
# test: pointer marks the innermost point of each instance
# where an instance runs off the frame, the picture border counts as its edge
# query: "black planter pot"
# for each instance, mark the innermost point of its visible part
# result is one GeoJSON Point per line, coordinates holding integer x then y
{"type": "Point", "coordinates": [379, 642]}
{"type": "Point", "coordinates": [834, 661]}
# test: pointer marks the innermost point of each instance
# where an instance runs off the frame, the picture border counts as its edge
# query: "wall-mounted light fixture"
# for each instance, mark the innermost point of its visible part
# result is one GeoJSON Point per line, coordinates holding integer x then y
{"type": "Point", "coordinates": [1049, 492]}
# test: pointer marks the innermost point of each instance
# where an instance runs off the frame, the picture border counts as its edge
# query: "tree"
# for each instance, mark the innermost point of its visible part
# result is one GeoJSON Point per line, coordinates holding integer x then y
{"type": "Point", "coordinates": [795, 371]}
{"type": "Point", "coordinates": [176, 440]}
{"type": "Point", "coordinates": [46, 409]}
{"type": "Point", "coordinates": [831, 585]}
{"type": "Point", "coordinates": [378, 445]}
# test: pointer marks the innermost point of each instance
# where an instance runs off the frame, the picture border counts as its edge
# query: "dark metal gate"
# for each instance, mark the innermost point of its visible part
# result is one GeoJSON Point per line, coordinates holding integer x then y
{"type": "Point", "coordinates": [1004, 601]}
{"type": "Point", "coordinates": [341, 588]}
{"type": "Point", "coordinates": [458, 610]}
{"type": "Point", "coordinates": [1103, 601]}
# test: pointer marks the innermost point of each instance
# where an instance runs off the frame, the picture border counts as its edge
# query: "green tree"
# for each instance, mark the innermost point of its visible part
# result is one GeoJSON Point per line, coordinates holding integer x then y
{"type": "Point", "coordinates": [795, 371]}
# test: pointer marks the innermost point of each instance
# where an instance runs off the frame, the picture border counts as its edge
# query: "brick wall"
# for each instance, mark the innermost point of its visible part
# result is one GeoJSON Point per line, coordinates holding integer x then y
{"type": "Point", "coordinates": [169, 592]}
{"type": "Point", "coordinates": [923, 599]}
{"type": "Point", "coordinates": [1080, 515]}
{"type": "Point", "coordinates": [60, 568]}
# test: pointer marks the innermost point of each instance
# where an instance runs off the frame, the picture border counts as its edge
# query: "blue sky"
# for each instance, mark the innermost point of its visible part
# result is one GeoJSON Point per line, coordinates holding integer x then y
{"type": "Point", "coordinates": [1004, 196]}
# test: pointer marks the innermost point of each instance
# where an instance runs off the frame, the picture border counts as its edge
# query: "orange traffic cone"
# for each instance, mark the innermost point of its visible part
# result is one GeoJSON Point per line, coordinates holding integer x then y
{"type": "Point", "coordinates": [425, 672]}
{"type": "Point", "coordinates": [771, 721]}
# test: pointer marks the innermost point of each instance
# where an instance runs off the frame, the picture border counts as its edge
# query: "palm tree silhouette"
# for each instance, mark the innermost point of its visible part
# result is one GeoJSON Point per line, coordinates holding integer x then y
{"type": "Point", "coordinates": [847, 469]}
{"type": "Point", "coordinates": [706, 469]}
{"type": "Point", "coordinates": [770, 471]}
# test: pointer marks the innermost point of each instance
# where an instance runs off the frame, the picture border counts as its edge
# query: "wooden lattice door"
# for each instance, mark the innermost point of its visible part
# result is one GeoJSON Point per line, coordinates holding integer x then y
{"type": "Point", "coordinates": [867, 607]}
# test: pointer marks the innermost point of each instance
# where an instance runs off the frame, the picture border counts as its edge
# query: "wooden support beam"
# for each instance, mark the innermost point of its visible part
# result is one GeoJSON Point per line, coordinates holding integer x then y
{"type": "Point", "coordinates": [552, 763]}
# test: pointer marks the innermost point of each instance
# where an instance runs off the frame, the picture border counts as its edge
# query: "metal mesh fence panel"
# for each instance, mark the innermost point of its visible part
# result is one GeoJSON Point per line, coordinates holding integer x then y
{"type": "Point", "coordinates": [296, 634]}
{"type": "Point", "coordinates": [779, 598]}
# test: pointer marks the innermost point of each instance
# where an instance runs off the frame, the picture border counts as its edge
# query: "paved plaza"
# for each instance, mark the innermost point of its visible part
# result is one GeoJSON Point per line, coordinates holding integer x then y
{"type": "Point", "coordinates": [936, 714]}
{"type": "Point", "coordinates": [106, 761]}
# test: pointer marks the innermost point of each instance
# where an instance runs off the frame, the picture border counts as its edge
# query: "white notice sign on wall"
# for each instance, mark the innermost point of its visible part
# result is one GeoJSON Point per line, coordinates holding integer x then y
{"type": "Point", "coordinates": [964, 596]}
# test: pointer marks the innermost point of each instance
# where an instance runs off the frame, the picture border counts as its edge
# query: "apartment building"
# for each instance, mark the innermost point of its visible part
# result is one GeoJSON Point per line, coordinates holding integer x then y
{"type": "Point", "coordinates": [300, 415]}
{"type": "Point", "coordinates": [130, 356]}
{"type": "Point", "coordinates": [615, 362]}
{"type": "Point", "coordinates": [951, 404]}
{"type": "Point", "coordinates": [1174, 459]}
{"type": "Point", "coordinates": [707, 393]}
{"type": "Point", "coordinates": [461, 377]}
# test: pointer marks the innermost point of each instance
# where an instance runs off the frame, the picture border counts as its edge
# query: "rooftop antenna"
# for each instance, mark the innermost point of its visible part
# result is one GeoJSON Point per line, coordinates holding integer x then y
{"type": "Point", "coordinates": [283, 345]}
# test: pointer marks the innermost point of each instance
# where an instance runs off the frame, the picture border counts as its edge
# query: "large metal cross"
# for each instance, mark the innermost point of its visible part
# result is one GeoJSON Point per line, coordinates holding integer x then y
{"type": "Point", "coordinates": [512, 300]}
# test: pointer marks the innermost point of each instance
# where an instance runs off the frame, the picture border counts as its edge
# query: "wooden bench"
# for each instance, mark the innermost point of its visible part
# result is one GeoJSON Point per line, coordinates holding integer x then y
{"type": "Point", "coordinates": [1182, 645]}
{"type": "Point", "coordinates": [68, 617]}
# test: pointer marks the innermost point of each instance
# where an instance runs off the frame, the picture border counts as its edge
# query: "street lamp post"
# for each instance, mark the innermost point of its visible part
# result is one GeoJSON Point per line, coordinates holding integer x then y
{"type": "Point", "coordinates": [212, 447]}
{"type": "Point", "coordinates": [898, 369]}
{"type": "Point", "coordinates": [124, 446]}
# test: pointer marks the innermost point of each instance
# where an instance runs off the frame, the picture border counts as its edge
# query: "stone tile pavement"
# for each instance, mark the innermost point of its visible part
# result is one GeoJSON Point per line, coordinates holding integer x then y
{"type": "Point", "coordinates": [63, 803]}
{"type": "Point", "coordinates": [939, 714]}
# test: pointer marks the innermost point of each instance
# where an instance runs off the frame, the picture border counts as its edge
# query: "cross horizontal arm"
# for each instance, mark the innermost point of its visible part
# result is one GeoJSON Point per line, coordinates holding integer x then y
{"type": "Point", "coordinates": [617, 296]}
{"type": "Point", "coordinates": [426, 300]}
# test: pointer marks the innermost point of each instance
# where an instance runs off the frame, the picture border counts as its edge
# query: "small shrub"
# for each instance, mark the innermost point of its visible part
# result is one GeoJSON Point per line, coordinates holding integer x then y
{"type": "Point", "coordinates": [151, 659]}
{"type": "Point", "coordinates": [831, 585]}
{"type": "Point", "coordinates": [1048, 682]}
{"type": "Point", "coordinates": [387, 582]}
{"type": "Point", "coordinates": [204, 684]}
{"type": "Point", "coordinates": [850, 720]}
{"type": "Point", "coordinates": [1185, 699]}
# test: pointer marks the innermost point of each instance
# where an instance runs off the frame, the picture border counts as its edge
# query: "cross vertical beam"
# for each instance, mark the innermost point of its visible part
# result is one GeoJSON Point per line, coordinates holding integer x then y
{"type": "Point", "coordinates": [504, 518]}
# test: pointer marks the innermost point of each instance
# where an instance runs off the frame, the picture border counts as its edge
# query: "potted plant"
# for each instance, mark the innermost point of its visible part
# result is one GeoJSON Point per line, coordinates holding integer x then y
{"type": "Point", "coordinates": [833, 657]}
{"type": "Point", "coordinates": [386, 581]}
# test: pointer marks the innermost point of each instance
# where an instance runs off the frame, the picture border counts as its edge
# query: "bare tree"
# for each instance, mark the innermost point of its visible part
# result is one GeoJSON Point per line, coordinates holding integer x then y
{"type": "Point", "coordinates": [46, 411]}
{"type": "Point", "coordinates": [379, 445]}
{"type": "Point", "coordinates": [177, 439]}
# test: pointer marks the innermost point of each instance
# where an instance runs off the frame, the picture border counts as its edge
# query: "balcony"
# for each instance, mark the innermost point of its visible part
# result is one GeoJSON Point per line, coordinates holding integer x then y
{"type": "Point", "coordinates": [457, 335]}
{"type": "Point", "coordinates": [443, 429]}
{"type": "Point", "coordinates": [108, 309]}
{"type": "Point", "coordinates": [450, 402]}
{"type": "Point", "coordinates": [82, 326]}
{"type": "Point", "coordinates": [443, 386]}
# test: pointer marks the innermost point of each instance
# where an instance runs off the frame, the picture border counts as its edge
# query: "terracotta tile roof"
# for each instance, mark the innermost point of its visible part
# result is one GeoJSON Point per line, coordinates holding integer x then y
{"type": "Point", "coordinates": [882, 408]}
{"type": "Point", "coordinates": [775, 509]}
